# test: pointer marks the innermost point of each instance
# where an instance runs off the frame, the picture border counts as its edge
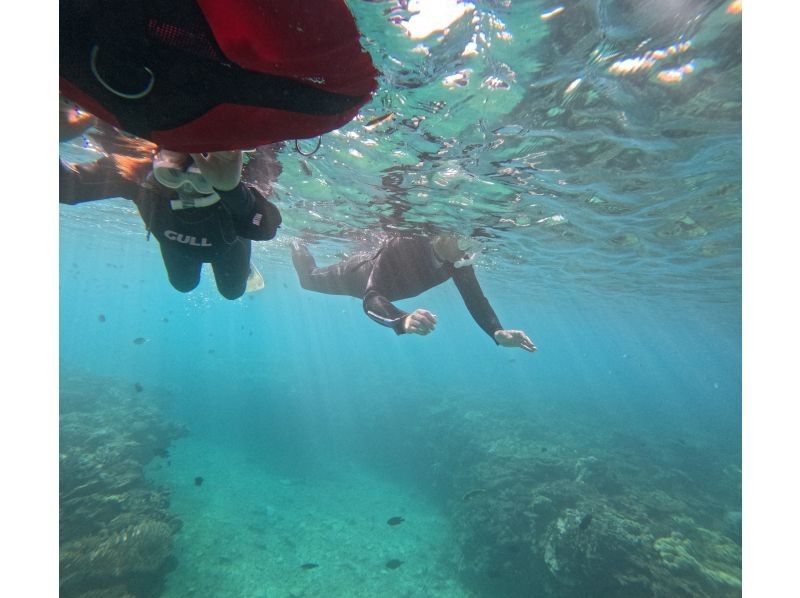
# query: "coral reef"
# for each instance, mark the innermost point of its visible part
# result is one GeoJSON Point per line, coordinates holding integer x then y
{"type": "Point", "coordinates": [115, 531]}
{"type": "Point", "coordinates": [580, 509]}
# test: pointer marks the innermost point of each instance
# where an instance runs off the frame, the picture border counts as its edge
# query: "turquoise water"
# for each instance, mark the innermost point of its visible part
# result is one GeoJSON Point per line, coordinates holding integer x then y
{"type": "Point", "coordinates": [609, 215]}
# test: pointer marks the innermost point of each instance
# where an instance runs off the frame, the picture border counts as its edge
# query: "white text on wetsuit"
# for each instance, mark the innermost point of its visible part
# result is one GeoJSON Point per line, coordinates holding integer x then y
{"type": "Point", "coordinates": [186, 239]}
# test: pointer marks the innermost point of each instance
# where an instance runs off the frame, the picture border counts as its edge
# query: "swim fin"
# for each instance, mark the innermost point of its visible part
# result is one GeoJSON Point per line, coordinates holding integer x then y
{"type": "Point", "coordinates": [255, 282]}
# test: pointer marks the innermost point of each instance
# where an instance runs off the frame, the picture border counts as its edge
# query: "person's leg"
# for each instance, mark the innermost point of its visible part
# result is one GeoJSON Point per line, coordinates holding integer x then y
{"type": "Point", "coordinates": [183, 271]}
{"type": "Point", "coordinates": [232, 269]}
{"type": "Point", "coordinates": [348, 277]}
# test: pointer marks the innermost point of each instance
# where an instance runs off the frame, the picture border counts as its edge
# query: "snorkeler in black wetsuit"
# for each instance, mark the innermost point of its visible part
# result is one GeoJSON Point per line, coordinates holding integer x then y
{"type": "Point", "coordinates": [404, 267]}
{"type": "Point", "coordinates": [200, 212]}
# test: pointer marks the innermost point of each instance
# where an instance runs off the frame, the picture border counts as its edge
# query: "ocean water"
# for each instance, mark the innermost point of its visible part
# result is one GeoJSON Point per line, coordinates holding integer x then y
{"type": "Point", "coordinates": [594, 151]}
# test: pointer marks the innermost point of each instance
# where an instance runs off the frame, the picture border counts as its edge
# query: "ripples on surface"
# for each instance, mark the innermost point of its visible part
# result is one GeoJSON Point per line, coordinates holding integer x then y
{"type": "Point", "coordinates": [589, 144]}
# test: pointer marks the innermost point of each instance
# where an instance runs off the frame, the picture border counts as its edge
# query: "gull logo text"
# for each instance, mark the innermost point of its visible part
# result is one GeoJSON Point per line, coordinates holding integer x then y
{"type": "Point", "coordinates": [186, 239]}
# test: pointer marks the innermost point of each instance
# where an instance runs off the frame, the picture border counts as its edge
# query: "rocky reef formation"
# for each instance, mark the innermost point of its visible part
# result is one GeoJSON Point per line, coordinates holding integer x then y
{"type": "Point", "coordinates": [115, 529]}
{"type": "Point", "coordinates": [553, 506]}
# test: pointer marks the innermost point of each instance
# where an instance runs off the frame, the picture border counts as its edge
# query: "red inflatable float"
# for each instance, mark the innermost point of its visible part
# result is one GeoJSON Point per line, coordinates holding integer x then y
{"type": "Point", "coordinates": [210, 75]}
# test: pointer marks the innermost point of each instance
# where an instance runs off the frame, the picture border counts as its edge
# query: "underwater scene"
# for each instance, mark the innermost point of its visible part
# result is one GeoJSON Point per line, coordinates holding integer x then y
{"type": "Point", "coordinates": [587, 157]}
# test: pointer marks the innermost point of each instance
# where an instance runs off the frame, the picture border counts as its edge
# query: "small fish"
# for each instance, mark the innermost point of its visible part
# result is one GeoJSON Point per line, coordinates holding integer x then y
{"type": "Point", "coordinates": [309, 566]}
{"type": "Point", "coordinates": [378, 120]}
{"type": "Point", "coordinates": [165, 320]}
{"type": "Point", "coordinates": [395, 521]}
{"type": "Point", "coordinates": [549, 15]}
{"type": "Point", "coordinates": [101, 318]}
{"type": "Point", "coordinates": [587, 519]}
{"type": "Point", "coordinates": [138, 387]}
{"type": "Point", "coordinates": [473, 493]}
{"type": "Point", "coordinates": [198, 481]}
{"type": "Point", "coordinates": [210, 351]}
{"type": "Point", "coordinates": [544, 449]}
{"type": "Point", "coordinates": [139, 340]}
{"type": "Point", "coordinates": [393, 564]}
{"type": "Point", "coordinates": [306, 169]}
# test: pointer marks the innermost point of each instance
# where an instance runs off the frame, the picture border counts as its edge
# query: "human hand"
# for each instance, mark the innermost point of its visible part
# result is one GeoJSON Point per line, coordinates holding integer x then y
{"type": "Point", "coordinates": [420, 321]}
{"type": "Point", "coordinates": [222, 169]}
{"type": "Point", "coordinates": [514, 338]}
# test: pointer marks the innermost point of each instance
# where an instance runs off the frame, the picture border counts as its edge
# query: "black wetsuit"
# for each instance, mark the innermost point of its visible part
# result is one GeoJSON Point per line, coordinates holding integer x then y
{"type": "Point", "coordinates": [403, 267]}
{"type": "Point", "coordinates": [219, 234]}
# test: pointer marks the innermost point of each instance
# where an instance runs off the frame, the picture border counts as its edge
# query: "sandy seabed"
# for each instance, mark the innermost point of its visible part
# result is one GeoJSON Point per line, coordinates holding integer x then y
{"type": "Point", "coordinates": [247, 532]}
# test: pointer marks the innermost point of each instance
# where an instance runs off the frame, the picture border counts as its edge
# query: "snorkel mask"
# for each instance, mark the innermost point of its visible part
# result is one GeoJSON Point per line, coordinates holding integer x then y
{"type": "Point", "coordinates": [461, 252]}
{"type": "Point", "coordinates": [470, 249]}
{"type": "Point", "coordinates": [177, 171]}
{"type": "Point", "coordinates": [168, 171]}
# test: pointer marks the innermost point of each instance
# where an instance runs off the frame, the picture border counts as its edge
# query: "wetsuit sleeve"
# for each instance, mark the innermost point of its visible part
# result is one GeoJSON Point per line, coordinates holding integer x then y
{"type": "Point", "coordinates": [91, 181]}
{"type": "Point", "coordinates": [477, 304]}
{"type": "Point", "coordinates": [256, 218]}
{"type": "Point", "coordinates": [380, 309]}
{"type": "Point", "coordinates": [239, 200]}
{"type": "Point", "coordinates": [376, 305]}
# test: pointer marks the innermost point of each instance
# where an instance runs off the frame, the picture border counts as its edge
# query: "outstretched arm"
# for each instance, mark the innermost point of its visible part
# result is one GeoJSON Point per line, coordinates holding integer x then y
{"type": "Point", "coordinates": [378, 307]}
{"type": "Point", "coordinates": [477, 304]}
{"type": "Point", "coordinates": [482, 312]}
{"type": "Point", "coordinates": [381, 310]}
{"type": "Point", "coordinates": [514, 339]}
{"type": "Point", "coordinates": [78, 183]}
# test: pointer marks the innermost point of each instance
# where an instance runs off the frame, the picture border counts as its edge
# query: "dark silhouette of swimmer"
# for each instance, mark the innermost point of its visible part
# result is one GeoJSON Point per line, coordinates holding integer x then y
{"type": "Point", "coordinates": [404, 267]}
{"type": "Point", "coordinates": [195, 205]}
